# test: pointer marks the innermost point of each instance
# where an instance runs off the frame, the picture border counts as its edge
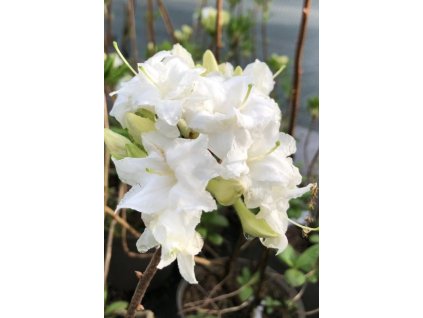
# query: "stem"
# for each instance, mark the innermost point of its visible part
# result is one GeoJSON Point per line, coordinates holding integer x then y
{"type": "Point", "coordinates": [106, 156]}
{"type": "Point", "coordinates": [312, 164]}
{"type": "Point", "coordinates": [166, 20]}
{"type": "Point", "coordinates": [264, 39]}
{"type": "Point", "coordinates": [219, 7]}
{"type": "Point", "coordinates": [307, 141]}
{"type": "Point", "coordinates": [262, 268]}
{"type": "Point", "coordinates": [150, 23]}
{"type": "Point", "coordinates": [109, 36]}
{"type": "Point", "coordinates": [295, 101]}
{"type": "Point", "coordinates": [132, 30]}
{"type": "Point", "coordinates": [143, 283]}
{"type": "Point", "coordinates": [109, 247]}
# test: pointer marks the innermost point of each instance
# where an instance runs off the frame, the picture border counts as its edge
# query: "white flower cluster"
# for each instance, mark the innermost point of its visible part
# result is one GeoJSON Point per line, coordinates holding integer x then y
{"type": "Point", "coordinates": [201, 134]}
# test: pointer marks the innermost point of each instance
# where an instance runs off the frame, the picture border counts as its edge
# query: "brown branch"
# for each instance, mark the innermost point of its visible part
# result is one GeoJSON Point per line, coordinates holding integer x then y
{"type": "Point", "coordinates": [109, 251]}
{"type": "Point", "coordinates": [121, 221]}
{"type": "Point", "coordinates": [106, 156]}
{"type": "Point", "coordinates": [124, 242]}
{"type": "Point", "coordinates": [109, 37]}
{"type": "Point", "coordinates": [132, 30]}
{"type": "Point", "coordinates": [219, 7]}
{"type": "Point", "coordinates": [312, 164]}
{"type": "Point", "coordinates": [295, 99]}
{"type": "Point", "coordinates": [143, 284]}
{"type": "Point", "coordinates": [264, 38]}
{"type": "Point", "coordinates": [166, 20]}
{"type": "Point", "coordinates": [311, 312]}
{"type": "Point", "coordinates": [229, 309]}
{"type": "Point", "coordinates": [262, 269]}
{"type": "Point", "coordinates": [150, 23]}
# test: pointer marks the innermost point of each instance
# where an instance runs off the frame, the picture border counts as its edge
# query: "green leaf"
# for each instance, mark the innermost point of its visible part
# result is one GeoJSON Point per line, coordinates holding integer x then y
{"type": "Point", "coordinates": [288, 256]}
{"type": "Point", "coordinates": [313, 278]}
{"type": "Point", "coordinates": [215, 238]}
{"type": "Point", "coordinates": [115, 307]}
{"type": "Point", "coordinates": [307, 260]}
{"type": "Point", "coordinates": [202, 231]}
{"type": "Point", "coordinates": [246, 292]}
{"type": "Point", "coordinates": [294, 277]}
{"type": "Point", "coordinates": [314, 238]}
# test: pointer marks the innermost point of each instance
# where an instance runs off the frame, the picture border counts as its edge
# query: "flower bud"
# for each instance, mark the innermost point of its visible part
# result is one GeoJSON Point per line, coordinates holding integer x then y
{"type": "Point", "coordinates": [226, 192]}
{"type": "Point", "coordinates": [134, 152]}
{"type": "Point", "coordinates": [251, 224]}
{"type": "Point", "coordinates": [137, 125]}
{"type": "Point", "coordinates": [238, 71]}
{"type": "Point", "coordinates": [209, 62]}
{"type": "Point", "coordinates": [116, 143]}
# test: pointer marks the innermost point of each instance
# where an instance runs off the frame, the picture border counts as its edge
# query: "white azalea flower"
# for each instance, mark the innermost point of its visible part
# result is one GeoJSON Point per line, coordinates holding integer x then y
{"type": "Point", "coordinates": [168, 187]}
{"type": "Point", "coordinates": [161, 85]}
{"type": "Point", "coordinates": [272, 181]}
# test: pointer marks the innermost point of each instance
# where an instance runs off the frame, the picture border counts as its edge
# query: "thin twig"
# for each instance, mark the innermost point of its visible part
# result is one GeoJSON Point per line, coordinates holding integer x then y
{"type": "Point", "coordinates": [150, 23]}
{"type": "Point", "coordinates": [106, 156]}
{"type": "Point", "coordinates": [198, 259]}
{"type": "Point", "coordinates": [143, 283]}
{"type": "Point", "coordinates": [264, 39]}
{"type": "Point", "coordinates": [121, 221]}
{"type": "Point", "coordinates": [307, 141]}
{"type": "Point", "coordinates": [312, 164]}
{"type": "Point", "coordinates": [219, 45]}
{"type": "Point", "coordinates": [262, 269]}
{"type": "Point", "coordinates": [166, 20]}
{"type": "Point", "coordinates": [132, 30]}
{"type": "Point", "coordinates": [109, 37]}
{"type": "Point", "coordinates": [299, 294]}
{"type": "Point", "coordinates": [227, 310]}
{"type": "Point", "coordinates": [311, 312]}
{"type": "Point", "coordinates": [109, 247]}
{"type": "Point", "coordinates": [124, 242]}
{"type": "Point", "coordinates": [295, 100]}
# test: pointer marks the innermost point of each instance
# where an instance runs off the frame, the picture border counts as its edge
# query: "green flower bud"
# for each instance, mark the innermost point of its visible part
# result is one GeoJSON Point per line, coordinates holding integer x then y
{"type": "Point", "coordinates": [137, 125]}
{"type": "Point", "coordinates": [134, 152]}
{"type": "Point", "coordinates": [209, 62]}
{"type": "Point", "coordinates": [226, 192]}
{"type": "Point", "coordinates": [251, 224]}
{"type": "Point", "coordinates": [116, 143]}
{"type": "Point", "coordinates": [238, 70]}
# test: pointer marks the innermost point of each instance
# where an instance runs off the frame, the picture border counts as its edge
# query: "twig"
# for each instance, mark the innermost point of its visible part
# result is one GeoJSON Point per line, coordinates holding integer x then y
{"type": "Point", "coordinates": [150, 23]}
{"type": "Point", "coordinates": [264, 39]}
{"type": "Point", "coordinates": [203, 302]}
{"type": "Point", "coordinates": [311, 312]}
{"type": "Point", "coordinates": [143, 283]}
{"type": "Point", "coordinates": [121, 221]}
{"type": "Point", "coordinates": [312, 164]}
{"type": "Point", "coordinates": [307, 141]}
{"type": "Point", "coordinates": [262, 268]}
{"type": "Point", "coordinates": [295, 100]}
{"type": "Point", "coordinates": [109, 246]}
{"type": "Point", "coordinates": [124, 242]}
{"type": "Point", "coordinates": [227, 310]}
{"type": "Point", "coordinates": [219, 7]}
{"type": "Point", "coordinates": [132, 30]}
{"type": "Point", "coordinates": [109, 37]}
{"type": "Point", "coordinates": [106, 156]}
{"type": "Point", "coordinates": [299, 294]}
{"type": "Point", "coordinates": [135, 233]}
{"type": "Point", "coordinates": [166, 20]}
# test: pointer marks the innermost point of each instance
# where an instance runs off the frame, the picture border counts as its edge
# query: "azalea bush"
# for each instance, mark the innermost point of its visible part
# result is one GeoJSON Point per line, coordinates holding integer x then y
{"type": "Point", "coordinates": [199, 145]}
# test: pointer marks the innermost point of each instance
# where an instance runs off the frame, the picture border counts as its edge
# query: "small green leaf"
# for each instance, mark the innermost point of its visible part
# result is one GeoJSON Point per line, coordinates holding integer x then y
{"type": "Point", "coordinates": [246, 292]}
{"type": "Point", "coordinates": [202, 231]}
{"type": "Point", "coordinates": [307, 260]}
{"type": "Point", "coordinates": [115, 307]}
{"type": "Point", "coordinates": [289, 256]}
{"type": "Point", "coordinates": [294, 277]}
{"type": "Point", "coordinates": [215, 238]}
{"type": "Point", "coordinates": [314, 238]}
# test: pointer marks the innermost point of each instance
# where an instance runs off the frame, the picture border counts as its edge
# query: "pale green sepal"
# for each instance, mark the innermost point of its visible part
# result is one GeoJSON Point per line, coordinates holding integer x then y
{"type": "Point", "coordinates": [116, 143]}
{"type": "Point", "coordinates": [226, 192]}
{"type": "Point", "coordinates": [145, 113]}
{"type": "Point", "coordinates": [251, 224]}
{"type": "Point", "coordinates": [238, 71]}
{"type": "Point", "coordinates": [137, 125]}
{"type": "Point", "coordinates": [134, 152]}
{"type": "Point", "coordinates": [209, 62]}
